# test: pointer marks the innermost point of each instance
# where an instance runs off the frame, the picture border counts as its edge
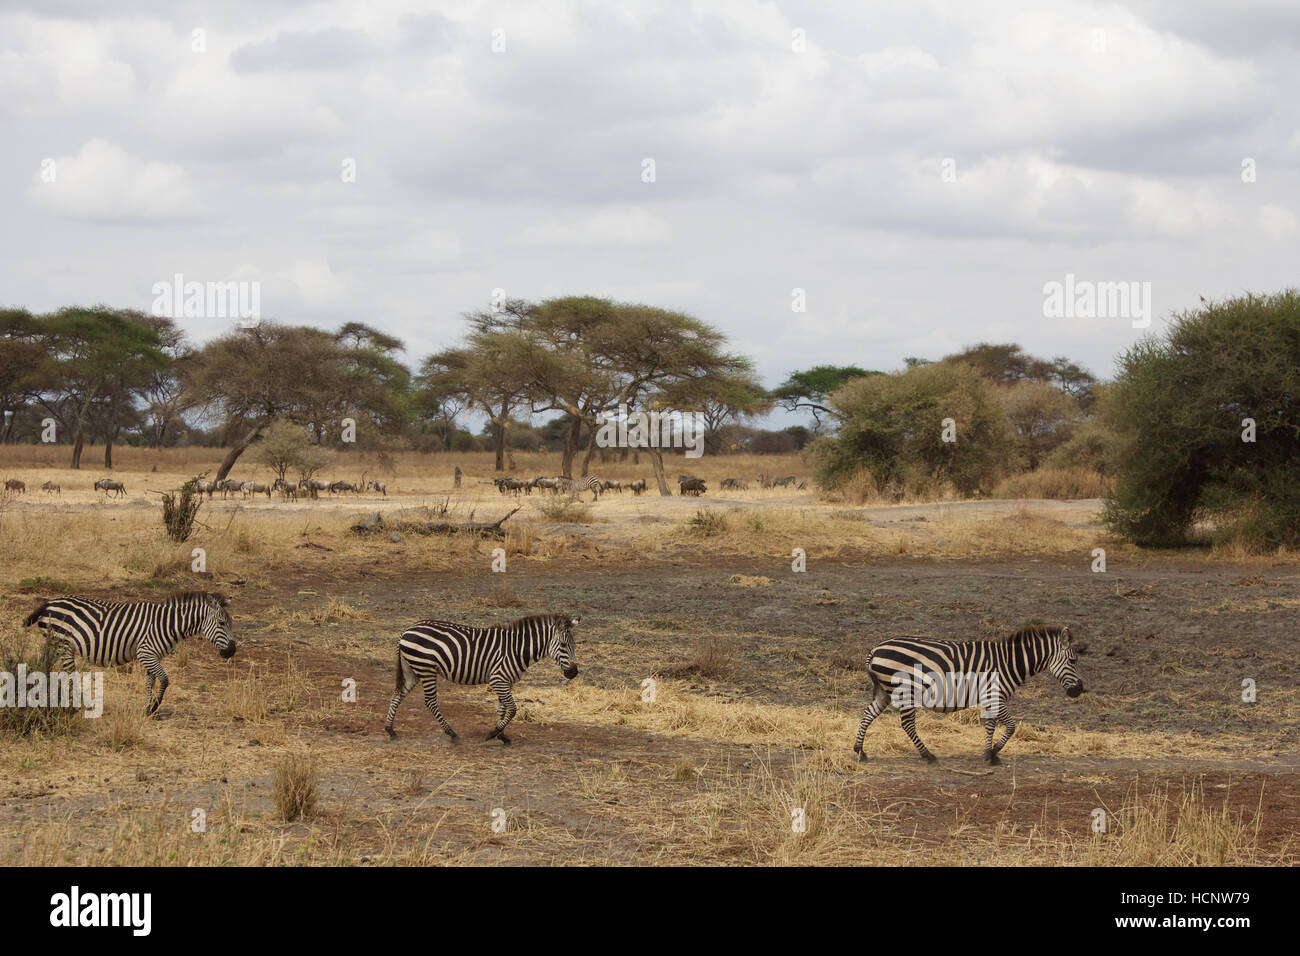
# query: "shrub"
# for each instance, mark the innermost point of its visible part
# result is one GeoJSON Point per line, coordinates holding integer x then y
{"type": "Point", "coordinates": [892, 429]}
{"type": "Point", "coordinates": [1179, 410]}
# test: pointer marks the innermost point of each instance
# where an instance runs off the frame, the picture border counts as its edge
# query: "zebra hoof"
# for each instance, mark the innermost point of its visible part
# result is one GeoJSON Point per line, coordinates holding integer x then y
{"type": "Point", "coordinates": [455, 737]}
{"type": "Point", "coordinates": [392, 734]}
{"type": "Point", "coordinates": [930, 758]}
{"type": "Point", "coordinates": [992, 759]}
{"type": "Point", "coordinates": [504, 739]}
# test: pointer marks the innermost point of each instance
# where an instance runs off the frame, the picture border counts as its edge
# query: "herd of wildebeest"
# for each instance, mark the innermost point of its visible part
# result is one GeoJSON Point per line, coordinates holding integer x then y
{"type": "Point", "coordinates": [312, 487]}
{"type": "Point", "coordinates": [687, 485]}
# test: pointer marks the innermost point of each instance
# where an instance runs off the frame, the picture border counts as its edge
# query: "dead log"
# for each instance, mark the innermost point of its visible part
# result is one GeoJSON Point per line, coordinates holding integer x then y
{"type": "Point", "coordinates": [481, 528]}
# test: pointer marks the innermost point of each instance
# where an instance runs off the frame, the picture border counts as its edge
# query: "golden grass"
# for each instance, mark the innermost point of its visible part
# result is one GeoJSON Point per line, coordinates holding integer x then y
{"type": "Point", "coordinates": [293, 787]}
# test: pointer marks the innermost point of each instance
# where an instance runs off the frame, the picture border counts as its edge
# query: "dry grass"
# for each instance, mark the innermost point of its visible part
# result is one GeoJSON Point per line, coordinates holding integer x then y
{"type": "Point", "coordinates": [1156, 829]}
{"type": "Point", "coordinates": [1055, 483]}
{"type": "Point", "coordinates": [293, 787]}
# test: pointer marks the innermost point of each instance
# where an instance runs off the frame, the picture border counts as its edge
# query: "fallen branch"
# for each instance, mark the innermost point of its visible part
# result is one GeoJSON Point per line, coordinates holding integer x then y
{"type": "Point", "coordinates": [375, 522]}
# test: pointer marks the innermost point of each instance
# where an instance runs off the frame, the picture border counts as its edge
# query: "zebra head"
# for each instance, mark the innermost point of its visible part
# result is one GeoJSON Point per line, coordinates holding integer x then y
{"type": "Point", "coordinates": [1062, 663]}
{"type": "Point", "coordinates": [216, 624]}
{"type": "Point", "coordinates": [560, 644]}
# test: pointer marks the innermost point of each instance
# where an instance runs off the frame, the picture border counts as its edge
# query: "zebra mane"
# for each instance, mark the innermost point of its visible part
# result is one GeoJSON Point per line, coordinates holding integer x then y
{"type": "Point", "coordinates": [1035, 630]}
{"type": "Point", "coordinates": [538, 619]}
{"type": "Point", "coordinates": [181, 596]}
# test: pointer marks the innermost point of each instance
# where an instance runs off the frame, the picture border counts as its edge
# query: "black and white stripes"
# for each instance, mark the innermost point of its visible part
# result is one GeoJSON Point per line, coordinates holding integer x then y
{"type": "Point", "coordinates": [108, 632]}
{"type": "Point", "coordinates": [479, 655]}
{"type": "Point", "coordinates": [947, 676]}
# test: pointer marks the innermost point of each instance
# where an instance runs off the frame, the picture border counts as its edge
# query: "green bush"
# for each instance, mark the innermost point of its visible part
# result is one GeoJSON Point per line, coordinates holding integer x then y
{"type": "Point", "coordinates": [892, 430]}
{"type": "Point", "coordinates": [1177, 411]}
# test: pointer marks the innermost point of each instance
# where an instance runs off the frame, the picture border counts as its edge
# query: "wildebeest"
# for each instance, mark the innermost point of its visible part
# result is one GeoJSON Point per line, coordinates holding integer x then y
{"type": "Point", "coordinates": [612, 486]}
{"type": "Point", "coordinates": [341, 486]}
{"type": "Point", "coordinates": [50, 488]}
{"type": "Point", "coordinates": [693, 486]}
{"type": "Point", "coordinates": [379, 486]}
{"type": "Point", "coordinates": [13, 484]}
{"type": "Point", "coordinates": [108, 484]}
{"type": "Point", "coordinates": [636, 487]}
{"type": "Point", "coordinates": [734, 484]}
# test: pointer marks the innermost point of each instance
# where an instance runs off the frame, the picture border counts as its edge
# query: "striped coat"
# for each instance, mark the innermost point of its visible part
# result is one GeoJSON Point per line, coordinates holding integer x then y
{"type": "Point", "coordinates": [497, 656]}
{"type": "Point", "coordinates": [944, 676]}
{"type": "Point", "coordinates": [105, 633]}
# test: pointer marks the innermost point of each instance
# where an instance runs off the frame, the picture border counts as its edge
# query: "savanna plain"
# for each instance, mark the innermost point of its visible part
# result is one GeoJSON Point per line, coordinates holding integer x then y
{"type": "Point", "coordinates": [720, 690]}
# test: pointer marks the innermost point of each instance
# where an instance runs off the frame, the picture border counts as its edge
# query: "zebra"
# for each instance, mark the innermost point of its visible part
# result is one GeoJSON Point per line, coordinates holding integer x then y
{"type": "Point", "coordinates": [479, 655]}
{"type": "Point", "coordinates": [784, 482]}
{"type": "Point", "coordinates": [112, 632]}
{"type": "Point", "coordinates": [255, 488]}
{"type": "Point", "coordinates": [950, 675]}
{"type": "Point", "coordinates": [108, 484]}
{"type": "Point", "coordinates": [590, 483]}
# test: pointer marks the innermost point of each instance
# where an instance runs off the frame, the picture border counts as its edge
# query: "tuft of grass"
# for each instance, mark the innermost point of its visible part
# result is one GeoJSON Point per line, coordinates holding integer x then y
{"type": "Point", "coordinates": [564, 509]}
{"type": "Point", "coordinates": [246, 697]}
{"type": "Point", "coordinates": [293, 787]}
{"type": "Point", "coordinates": [707, 522]}
{"type": "Point", "coordinates": [20, 722]}
{"type": "Point", "coordinates": [712, 661]}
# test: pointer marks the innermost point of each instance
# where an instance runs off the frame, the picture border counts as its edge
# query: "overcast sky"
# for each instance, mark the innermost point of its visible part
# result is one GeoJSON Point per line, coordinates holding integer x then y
{"type": "Point", "coordinates": [921, 170]}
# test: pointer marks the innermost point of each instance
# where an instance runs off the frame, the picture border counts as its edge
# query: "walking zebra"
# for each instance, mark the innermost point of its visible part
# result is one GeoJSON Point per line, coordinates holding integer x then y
{"type": "Point", "coordinates": [110, 632]}
{"type": "Point", "coordinates": [948, 675]}
{"type": "Point", "coordinates": [479, 655]}
{"type": "Point", "coordinates": [592, 484]}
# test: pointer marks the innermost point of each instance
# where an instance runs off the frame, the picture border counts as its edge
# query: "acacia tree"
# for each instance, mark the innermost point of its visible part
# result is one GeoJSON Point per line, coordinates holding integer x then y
{"type": "Point", "coordinates": [100, 356]}
{"type": "Point", "coordinates": [487, 374]}
{"type": "Point", "coordinates": [662, 360]}
{"type": "Point", "coordinates": [26, 368]}
{"type": "Point", "coordinates": [810, 390]}
{"type": "Point", "coordinates": [252, 376]}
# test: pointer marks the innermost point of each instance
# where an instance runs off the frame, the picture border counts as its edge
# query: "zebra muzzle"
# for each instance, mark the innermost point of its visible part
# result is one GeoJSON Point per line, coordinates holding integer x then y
{"type": "Point", "coordinates": [571, 671]}
{"type": "Point", "coordinates": [229, 650]}
{"type": "Point", "coordinates": [1074, 691]}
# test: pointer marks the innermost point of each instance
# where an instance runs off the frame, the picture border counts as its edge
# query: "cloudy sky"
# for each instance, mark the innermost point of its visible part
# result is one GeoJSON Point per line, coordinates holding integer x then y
{"type": "Point", "coordinates": [919, 170]}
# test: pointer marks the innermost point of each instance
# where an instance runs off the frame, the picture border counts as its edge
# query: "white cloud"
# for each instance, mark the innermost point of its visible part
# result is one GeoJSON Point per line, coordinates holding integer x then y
{"type": "Point", "coordinates": [105, 182]}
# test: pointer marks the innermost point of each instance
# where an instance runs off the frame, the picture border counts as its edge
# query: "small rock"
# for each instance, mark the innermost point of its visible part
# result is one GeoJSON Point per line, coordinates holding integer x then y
{"type": "Point", "coordinates": [396, 538]}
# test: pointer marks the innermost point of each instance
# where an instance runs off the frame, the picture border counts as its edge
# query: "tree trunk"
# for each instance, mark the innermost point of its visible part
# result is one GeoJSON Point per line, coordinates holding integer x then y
{"type": "Point", "coordinates": [500, 427]}
{"type": "Point", "coordinates": [77, 444]}
{"type": "Point", "coordinates": [108, 453]}
{"type": "Point", "coordinates": [657, 459]}
{"type": "Point", "coordinates": [591, 448]}
{"type": "Point", "coordinates": [236, 450]}
{"type": "Point", "coordinates": [571, 448]}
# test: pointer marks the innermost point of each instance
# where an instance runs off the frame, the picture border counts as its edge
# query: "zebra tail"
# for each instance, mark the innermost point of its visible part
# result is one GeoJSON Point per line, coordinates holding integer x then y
{"type": "Point", "coordinates": [398, 688]}
{"type": "Point", "coordinates": [35, 615]}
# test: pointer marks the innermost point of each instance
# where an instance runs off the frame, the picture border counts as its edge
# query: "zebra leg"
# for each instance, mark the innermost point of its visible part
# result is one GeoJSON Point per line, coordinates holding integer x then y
{"type": "Point", "coordinates": [990, 752]}
{"type": "Point", "coordinates": [431, 701]}
{"type": "Point", "coordinates": [66, 651]}
{"type": "Point", "coordinates": [506, 709]}
{"type": "Point", "coordinates": [909, 727]}
{"type": "Point", "coordinates": [405, 681]}
{"type": "Point", "coordinates": [153, 671]}
{"type": "Point", "coordinates": [1009, 722]}
{"type": "Point", "coordinates": [874, 709]}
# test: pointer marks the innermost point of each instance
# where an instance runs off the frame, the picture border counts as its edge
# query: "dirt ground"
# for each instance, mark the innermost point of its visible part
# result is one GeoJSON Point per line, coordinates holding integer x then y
{"type": "Point", "coordinates": [716, 706]}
